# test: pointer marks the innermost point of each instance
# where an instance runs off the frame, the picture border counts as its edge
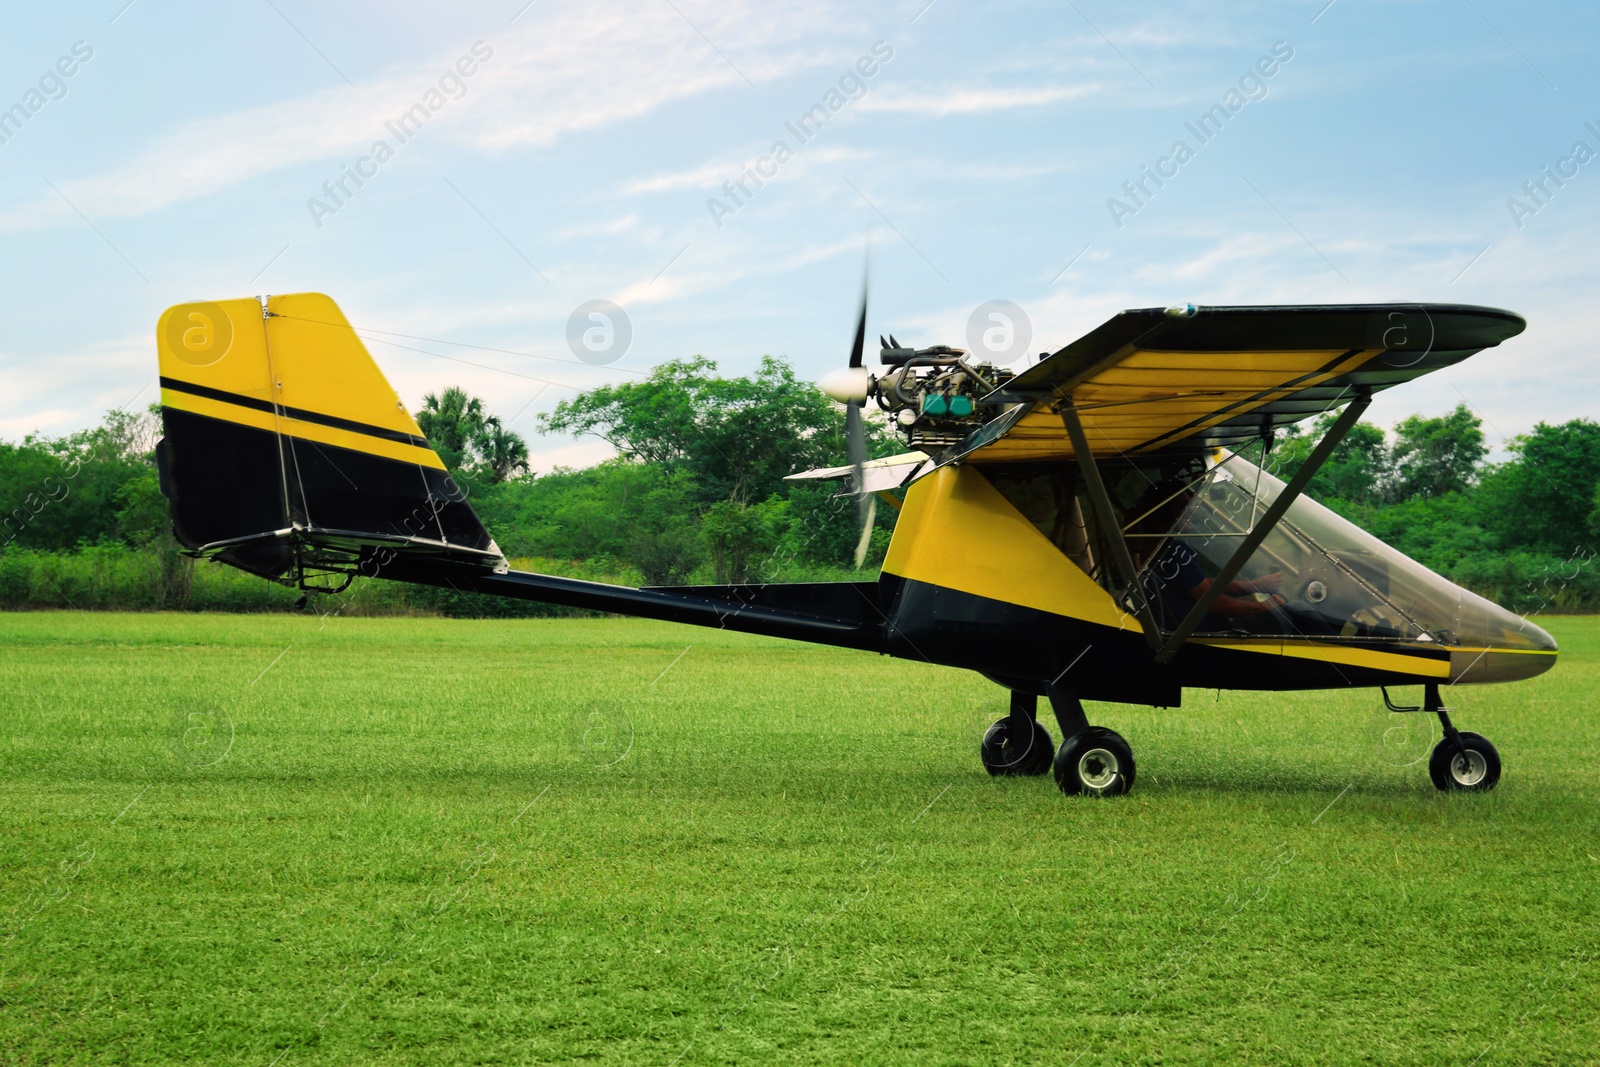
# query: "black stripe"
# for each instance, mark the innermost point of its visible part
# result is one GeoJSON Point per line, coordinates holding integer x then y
{"type": "Point", "coordinates": [299, 414]}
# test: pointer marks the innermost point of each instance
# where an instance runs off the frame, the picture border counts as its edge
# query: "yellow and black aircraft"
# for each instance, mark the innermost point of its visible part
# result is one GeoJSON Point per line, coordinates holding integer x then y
{"type": "Point", "coordinates": [1089, 528]}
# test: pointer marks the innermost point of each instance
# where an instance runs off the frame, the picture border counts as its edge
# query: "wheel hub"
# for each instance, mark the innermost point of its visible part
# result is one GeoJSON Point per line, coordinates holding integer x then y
{"type": "Point", "coordinates": [1468, 768]}
{"type": "Point", "coordinates": [1098, 768]}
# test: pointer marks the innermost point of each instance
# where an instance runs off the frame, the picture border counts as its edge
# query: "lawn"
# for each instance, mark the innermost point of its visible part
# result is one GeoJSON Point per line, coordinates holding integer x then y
{"type": "Point", "coordinates": [273, 839]}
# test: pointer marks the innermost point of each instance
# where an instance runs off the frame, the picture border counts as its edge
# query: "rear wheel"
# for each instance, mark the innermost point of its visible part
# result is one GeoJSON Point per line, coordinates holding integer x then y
{"type": "Point", "coordinates": [1095, 762]}
{"type": "Point", "coordinates": [1028, 753]}
{"type": "Point", "coordinates": [1466, 762]}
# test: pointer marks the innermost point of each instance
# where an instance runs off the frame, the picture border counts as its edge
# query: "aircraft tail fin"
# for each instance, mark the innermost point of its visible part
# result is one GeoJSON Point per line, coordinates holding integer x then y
{"type": "Point", "coordinates": [288, 454]}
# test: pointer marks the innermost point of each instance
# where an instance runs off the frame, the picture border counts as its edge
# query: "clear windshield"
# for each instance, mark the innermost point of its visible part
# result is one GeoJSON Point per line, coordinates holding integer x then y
{"type": "Point", "coordinates": [1315, 574]}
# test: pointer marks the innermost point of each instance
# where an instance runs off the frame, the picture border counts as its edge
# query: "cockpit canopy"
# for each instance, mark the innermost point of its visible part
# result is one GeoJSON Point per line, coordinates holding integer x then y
{"type": "Point", "coordinates": [1183, 520]}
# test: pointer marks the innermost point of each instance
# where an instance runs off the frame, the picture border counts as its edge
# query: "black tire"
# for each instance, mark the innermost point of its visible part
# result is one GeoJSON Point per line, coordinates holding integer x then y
{"type": "Point", "coordinates": [1468, 764]}
{"type": "Point", "coordinates": [1002, 756]}
{"type": "Point", "coordinates": [1096, 762]}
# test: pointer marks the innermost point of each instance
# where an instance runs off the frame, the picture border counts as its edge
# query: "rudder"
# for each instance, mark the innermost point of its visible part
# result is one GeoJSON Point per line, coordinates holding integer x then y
{"type": "Point", "coordinates": [287, 453]}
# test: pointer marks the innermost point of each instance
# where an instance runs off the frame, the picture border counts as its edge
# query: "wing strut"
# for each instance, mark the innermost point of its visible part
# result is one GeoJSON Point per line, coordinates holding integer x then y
{"type": "Point", "coordinates": [1263, 526]}
{"type": "Point", "coordinates": [1108, 522]}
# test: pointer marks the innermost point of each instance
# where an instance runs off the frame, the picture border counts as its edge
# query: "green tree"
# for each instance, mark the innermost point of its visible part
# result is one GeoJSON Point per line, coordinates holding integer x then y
{"type": "Point", "coordinates": [1356, 472]}
{"type": "Point", "coordinates": [1593, 521]}
{"type": "Point", "coordinates": [469, 439]}
{"type": "Point", "coordinates": [144, 520]}
{"type": "Point", "coordinates": [820, 527]}
{"type": "Point", "coordinates": [742, 536]}
{"type": "Point", "coordinates": [642, 514]}
{"type": "Point", "coordinates": [1543, 498]}
{"type": "Point", "coordinates": [1436, 456]}
{"type": "Point", "coordinates": [60, 492]}
{"type": "Point", "coordinates": [1436, 531]}
{"type": "Point", "coordinates": [738, 437]}
{"type": "Point", "coordinates": [501, 453]}
{"type": "Point", "coordinates": [450, 421]}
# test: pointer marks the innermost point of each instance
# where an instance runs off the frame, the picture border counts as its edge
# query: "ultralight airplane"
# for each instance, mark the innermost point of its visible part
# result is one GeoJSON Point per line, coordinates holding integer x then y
{"type": "Point", "coordinates": [1088, 528]}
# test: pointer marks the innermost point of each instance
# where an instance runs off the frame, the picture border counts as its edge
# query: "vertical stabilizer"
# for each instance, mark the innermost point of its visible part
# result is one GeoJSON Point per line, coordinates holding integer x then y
{"type": "Point", "coordinates": [286, 449]}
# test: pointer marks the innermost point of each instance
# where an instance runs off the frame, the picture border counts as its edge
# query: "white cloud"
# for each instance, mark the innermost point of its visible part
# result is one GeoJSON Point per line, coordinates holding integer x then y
{"type": "Point", "coordinates": [67, 391]}
{"type": "Point", "coordinates": [660, 290]}
{"type": "Point", "coordinates": [702, 177]}
{"type": "Point", "coordinates": [942, 102]}
{"type": "Point", "coordinates": [566, 68]}
{"type": "Point", "coordinates": [723, 266]}
{"type": "Point", "coordinates": [712, 175]}
{"type": "Point", "coordinates": [605, 228]}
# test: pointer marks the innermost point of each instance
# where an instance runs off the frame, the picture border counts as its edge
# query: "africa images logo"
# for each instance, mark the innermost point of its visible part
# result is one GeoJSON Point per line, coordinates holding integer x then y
{"type": "Point", "coordinates": [1542, 189]}
{"type": "Point", "coordinates": [52, 85]}
{"type": "Point", "coordinates": [1252, 86]}
{"type": "Point", "coordinates": [852, 86]}
{"type": "Point", "coordinates": [452, 82]}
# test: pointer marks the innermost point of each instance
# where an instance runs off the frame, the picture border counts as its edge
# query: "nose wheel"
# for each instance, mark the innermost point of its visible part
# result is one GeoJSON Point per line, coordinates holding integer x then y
{"type": "Point", "coordinates": [1467, 762]}
{"type": "Point", "coordinates": [1462, 761]}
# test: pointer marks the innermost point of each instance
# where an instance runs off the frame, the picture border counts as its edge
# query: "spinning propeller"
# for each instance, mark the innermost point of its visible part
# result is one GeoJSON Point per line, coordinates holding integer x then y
{"type": "Point", "coordinates": [851, 385]}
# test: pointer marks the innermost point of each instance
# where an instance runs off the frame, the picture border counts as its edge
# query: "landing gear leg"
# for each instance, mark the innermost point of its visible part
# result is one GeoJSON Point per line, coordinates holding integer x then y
{"type": "Point", "coordinates": [1017, 744]}
{"type": "Point", "coordinates": [1461, 760]}
{"type": "Point", "coordinates": [1092, 760]}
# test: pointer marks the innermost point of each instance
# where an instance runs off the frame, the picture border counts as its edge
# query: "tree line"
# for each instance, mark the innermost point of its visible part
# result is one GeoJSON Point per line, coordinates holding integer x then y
{"type": "Point", "coordinates": [696, 494]}
{"type": "Point", "coordinates": [696, 491]}
{"type": "Point", "coordinates": [1523, 532]}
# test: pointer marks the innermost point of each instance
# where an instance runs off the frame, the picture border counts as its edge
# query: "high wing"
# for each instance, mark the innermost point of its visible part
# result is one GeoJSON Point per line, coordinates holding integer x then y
{"type": "Point", "coordinates": [1190, 378]}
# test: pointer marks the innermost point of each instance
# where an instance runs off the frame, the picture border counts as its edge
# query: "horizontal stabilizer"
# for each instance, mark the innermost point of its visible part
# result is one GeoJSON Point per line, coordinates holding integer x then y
{"type": "Point", "coordinates": [880, 475]}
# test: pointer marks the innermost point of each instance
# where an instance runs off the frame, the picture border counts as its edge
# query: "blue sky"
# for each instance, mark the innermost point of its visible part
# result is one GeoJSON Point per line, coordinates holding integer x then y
{"type": "Point", "coordinates": [577, 160]}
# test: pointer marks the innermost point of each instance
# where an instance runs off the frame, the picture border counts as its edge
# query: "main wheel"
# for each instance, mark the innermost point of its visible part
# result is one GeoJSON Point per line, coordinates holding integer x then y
{"type": "Point", "coordinates": [1095, 762]}
{"type": "Point", "coordinates": [1467, 763]}
{"type": "Point", "coordinates": [1004, 755]}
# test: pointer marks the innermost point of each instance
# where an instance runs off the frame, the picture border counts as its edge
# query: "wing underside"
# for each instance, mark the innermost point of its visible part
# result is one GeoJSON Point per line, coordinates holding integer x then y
{"type": "Point", "coordinates": [1149, 380]}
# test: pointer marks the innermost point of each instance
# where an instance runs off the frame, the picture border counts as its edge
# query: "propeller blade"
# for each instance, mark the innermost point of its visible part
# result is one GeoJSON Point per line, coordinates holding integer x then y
{"type": "Point", "coordinates": [866, 506]}
{"type": "Point", "coordinates": [861, 330]}
{"type": "Point", "coordinates": [866, 531]}
{"type": "Point", "coordinates": [856, 442]}
{"type": "Point", "coordinates": [853, 384]}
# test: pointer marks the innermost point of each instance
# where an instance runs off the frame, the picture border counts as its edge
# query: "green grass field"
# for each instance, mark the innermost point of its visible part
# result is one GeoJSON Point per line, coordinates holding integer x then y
{"type": "Point", "coordinates": [257, 840]}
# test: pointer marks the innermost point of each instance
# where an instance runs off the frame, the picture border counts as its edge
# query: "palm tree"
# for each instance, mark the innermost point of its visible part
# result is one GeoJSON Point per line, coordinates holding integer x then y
{"type": "Point", "coordinates": [501, 452]}
{"type": "Point", "coordinates": [451, 421]}
{"type": "Point", "coordinates": [467, 436]}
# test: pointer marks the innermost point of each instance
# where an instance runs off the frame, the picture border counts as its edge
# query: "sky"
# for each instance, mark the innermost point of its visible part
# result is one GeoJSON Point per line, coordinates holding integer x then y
{"type": "Point", "coordinates": [969, 153]}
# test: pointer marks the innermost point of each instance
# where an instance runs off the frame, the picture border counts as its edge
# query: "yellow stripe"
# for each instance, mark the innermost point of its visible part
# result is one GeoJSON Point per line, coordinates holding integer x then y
{"type": "Point", "coordinates": [1396, 662]}
{"type": "Point", "coordinates": [1338, 655]}
{"type": "Point", "coordinates": [307, 431]}
{"type": "Point", "coordinates": [1519, 651]}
